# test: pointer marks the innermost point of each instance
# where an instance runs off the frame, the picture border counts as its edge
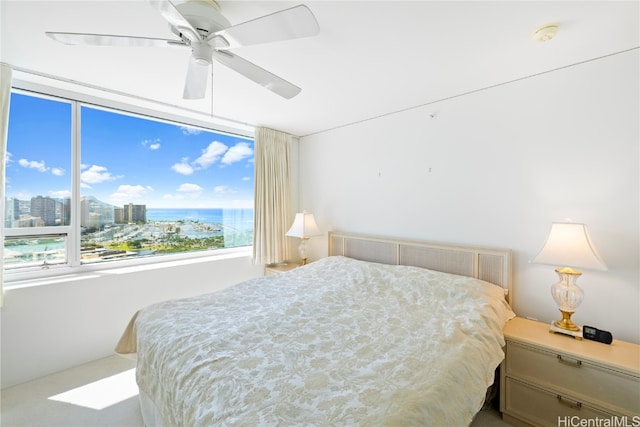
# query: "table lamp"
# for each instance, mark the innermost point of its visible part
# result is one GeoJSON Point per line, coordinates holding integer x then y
{"type": "Point", "coordinates": [568, 245]}
{"type": "Point", "coordinates": [304, 226]}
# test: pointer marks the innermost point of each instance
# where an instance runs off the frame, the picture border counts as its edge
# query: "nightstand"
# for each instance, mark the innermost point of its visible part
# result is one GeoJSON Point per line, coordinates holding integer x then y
{"type": "Point", "coordinates": [550, 380]}
{"type": "Point", "coordinates": [279, 268]}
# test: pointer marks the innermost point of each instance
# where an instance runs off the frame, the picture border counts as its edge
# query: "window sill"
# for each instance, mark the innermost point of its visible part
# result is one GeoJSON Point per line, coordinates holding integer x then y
{"type": "Point", "coordinates": [67, 274]}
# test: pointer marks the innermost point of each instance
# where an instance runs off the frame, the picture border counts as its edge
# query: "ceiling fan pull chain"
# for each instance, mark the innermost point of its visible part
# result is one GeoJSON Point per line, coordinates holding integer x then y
{"type": "Point", "coordinates": [212, 91]}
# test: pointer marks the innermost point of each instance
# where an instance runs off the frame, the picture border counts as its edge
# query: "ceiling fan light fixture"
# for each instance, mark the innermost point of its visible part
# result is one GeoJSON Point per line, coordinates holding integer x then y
{"type": "Point", "coordinates": [545, 33]}
{"type": "Point", "coordinates": [202, 53]}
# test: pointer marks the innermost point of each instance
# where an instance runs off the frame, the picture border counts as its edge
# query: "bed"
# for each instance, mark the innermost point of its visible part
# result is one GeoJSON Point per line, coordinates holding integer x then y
{"type": "Point", "coordinates": [380, 332]}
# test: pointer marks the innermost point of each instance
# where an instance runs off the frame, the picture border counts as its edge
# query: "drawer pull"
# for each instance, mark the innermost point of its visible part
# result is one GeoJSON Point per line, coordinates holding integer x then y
{"type": "Point", "coordinates": [573, 405]}
{"type": "Point", "coordinates": [574, 363]}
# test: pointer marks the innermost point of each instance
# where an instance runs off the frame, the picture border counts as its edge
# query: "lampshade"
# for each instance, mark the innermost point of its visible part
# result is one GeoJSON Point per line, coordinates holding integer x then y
{"type": "Point", "coordinates": [569, 245]}
{"type": "Point", "coordinates": [304, 226]}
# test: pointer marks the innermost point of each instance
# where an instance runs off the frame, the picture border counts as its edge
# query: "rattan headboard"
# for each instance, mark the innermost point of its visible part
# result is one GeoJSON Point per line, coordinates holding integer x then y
{"type": "Point", "coordinates": [489, 264]}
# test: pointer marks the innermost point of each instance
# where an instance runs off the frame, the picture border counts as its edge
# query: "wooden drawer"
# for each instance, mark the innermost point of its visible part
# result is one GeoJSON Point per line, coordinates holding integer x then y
{"type": "Point", "coordinates": [617, 391]}
{"type": "Point", "coordinates": [542, 407]}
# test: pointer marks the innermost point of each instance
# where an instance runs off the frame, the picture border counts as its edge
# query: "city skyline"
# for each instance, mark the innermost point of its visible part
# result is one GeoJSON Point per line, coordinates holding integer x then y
{"type": "Point", "coordinates": [47, 211]}
{"type": "Point", "coordinates": [125, 159]}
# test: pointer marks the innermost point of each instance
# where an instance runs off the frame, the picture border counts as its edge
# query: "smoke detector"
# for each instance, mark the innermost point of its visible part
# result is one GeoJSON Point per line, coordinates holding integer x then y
{"type": "Point", "coordinates": [545, 33]}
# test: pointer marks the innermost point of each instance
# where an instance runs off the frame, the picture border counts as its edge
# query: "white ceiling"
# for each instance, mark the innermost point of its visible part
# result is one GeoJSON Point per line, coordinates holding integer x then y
{"type": "Point", "coordinates": [370, 58]}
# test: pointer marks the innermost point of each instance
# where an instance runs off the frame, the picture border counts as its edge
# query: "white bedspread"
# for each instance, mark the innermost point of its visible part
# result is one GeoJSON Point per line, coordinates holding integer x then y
{"type": "Point", "coordinates": [337, 342]}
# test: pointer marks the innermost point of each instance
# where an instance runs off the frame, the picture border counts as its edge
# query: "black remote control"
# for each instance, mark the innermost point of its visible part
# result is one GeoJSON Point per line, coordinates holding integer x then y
{"type": "Point", "coordinates": [595, 334]}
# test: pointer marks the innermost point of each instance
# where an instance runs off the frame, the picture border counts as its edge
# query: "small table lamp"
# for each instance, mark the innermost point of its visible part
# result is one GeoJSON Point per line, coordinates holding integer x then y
{"type": "Point", "coordinates": [304, 226]}
{"type": "Point", "coordinates": [568, 245]}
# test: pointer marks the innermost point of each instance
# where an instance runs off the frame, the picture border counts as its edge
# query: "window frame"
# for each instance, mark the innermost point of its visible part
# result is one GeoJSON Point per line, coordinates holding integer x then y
{"type": "Point", "coordinates": [125, 105]}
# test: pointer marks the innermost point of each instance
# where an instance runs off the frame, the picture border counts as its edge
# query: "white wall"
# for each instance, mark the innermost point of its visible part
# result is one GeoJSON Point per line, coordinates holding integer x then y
{"type": "Point", "coordinates": [496, 167]}
{"type": "Point", "coordinates": [53, 327]}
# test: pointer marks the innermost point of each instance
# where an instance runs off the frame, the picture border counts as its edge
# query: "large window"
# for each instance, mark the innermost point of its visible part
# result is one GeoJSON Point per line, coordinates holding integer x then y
{"type": "Point", "coordinates": [87, 184]}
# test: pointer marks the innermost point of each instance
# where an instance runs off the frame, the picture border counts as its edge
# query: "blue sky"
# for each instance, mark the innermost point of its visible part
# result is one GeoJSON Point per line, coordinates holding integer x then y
{"type": "Point", "coordinates": [125, 159]}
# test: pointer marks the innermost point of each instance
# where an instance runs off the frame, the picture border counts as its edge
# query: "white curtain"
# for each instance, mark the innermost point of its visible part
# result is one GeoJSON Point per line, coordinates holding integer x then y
{"type": "Point", "coordinates": [5, 95]}
{"type": "Point", "coordinates": [272, 194]}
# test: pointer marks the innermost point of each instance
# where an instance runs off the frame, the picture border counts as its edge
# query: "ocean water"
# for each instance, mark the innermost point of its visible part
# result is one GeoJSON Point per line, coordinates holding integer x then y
{"type": "Point", "coordinates": [233, 224]}
{"type": "Point", "coordinates": [238, 219]}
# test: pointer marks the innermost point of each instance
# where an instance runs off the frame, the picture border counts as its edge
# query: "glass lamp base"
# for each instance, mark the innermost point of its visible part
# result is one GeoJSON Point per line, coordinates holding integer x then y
{"type": "Point", "coordinates": [302, 250]}
{"type": "Point", "coordinates": [568, 295]}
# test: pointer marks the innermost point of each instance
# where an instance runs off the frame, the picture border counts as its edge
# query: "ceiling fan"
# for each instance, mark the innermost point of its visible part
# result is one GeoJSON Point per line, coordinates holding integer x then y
{"type": "Point", "coordinates": [198, 24]}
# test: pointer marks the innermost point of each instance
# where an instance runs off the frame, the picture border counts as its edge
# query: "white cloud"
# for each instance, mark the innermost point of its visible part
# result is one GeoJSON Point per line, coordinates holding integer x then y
{"type": "Point", "coordinates": [189, 187]}
{"type": "Point", "coordinates": [211, 154]}
{"type": "Point", "coordinates": [193, 190]}
{"type": "Point", "coordinates": [183, 168]}
{"type": "Point", "coordinates": [96, 175]}
{"type": "Point", "coordinates": [246, 178]}
{"type": "Point", "coordinates": [240, 151]}
{"type": "Point", "coordinates": [23, 196]}
{"type": "Point", "coordinates": [127, 193]}
{"type": "Point", "coordinates": [223, 189]}
{"type": "Point", "coordinates": [62, 194]}
{"type": "Point", "coordinates": [186, 130]}
{"type": "Point", "coordinates": [153, 144]}
{"type": "Point", "coordinates": [33, 164]}
{"type": "Point", "coordinates": [40, 166]}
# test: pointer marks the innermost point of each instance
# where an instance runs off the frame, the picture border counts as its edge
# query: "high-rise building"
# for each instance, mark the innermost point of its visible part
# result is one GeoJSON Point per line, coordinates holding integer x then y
{"type": "Point", "coordinates": [118, 215]}
{"type": "Point", "coordinates": [135, 213]}
{"type": "Point", "coordinates": [26, 221]}
{"type": "Point", "coordinates": [45, 209]}
{"type": "Point", "coordinates": [64, 208]}
{"type": "Point", "coordinates": [11, 211]}
{"type": "Point", "coordinates": [94, 213]}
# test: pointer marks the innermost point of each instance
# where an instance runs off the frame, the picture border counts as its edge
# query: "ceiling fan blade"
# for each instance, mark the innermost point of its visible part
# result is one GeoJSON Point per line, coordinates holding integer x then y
{"type": "Point", "coordinates": [287, 24]}
{"type": "Point", "coordinates": [175, 18]}
{"type": "Point", "coordinates": [111, 40]}
{"type": "Point", "coordinates": [259, 75]}
{"type": "Point", "coordinates": [197, 76]}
